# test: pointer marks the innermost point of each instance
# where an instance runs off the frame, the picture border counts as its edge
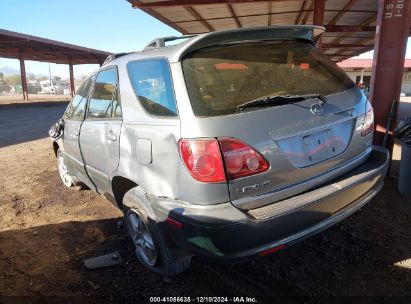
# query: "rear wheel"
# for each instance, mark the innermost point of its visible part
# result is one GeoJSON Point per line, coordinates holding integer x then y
{"type": "Point", "coordinates": [63, 172]}
{"type": "Point", "coordinates": [141, 237]}
{"type": "Point", "coordinates": [151, 247]}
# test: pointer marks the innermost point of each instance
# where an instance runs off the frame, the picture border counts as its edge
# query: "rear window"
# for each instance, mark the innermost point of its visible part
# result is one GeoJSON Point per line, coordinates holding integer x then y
{"type": "Point", "coordinates": [151, 81]}
{"type": "Point", "coordinates": [220, 78]}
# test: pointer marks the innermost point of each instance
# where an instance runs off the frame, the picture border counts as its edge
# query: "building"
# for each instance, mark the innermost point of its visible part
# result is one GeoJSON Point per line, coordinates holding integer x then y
{"type": "Point", "coordinates": [360, 71]}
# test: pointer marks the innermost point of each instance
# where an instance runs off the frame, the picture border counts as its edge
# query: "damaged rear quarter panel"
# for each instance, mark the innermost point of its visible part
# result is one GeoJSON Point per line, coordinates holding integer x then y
{"type": "Point", "coordinates": [164, 175]}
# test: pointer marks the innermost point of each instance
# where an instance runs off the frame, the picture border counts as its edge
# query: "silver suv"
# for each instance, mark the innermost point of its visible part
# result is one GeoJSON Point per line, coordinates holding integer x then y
{"type": "Point", "coordinates": [228, 145]}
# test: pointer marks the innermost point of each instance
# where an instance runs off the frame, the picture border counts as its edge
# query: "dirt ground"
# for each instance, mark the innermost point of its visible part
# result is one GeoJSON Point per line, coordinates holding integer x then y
{"type": "Point", "coordinates": [46, 230]}
{"type": "Point", "coordinates": [14, 98]}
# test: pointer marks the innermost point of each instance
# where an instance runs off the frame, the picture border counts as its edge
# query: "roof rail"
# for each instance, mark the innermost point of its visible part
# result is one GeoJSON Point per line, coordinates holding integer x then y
{"type": "Point", "coordinates": [111, 57]}
{"type": "Point", "coordinates": [161, 42]}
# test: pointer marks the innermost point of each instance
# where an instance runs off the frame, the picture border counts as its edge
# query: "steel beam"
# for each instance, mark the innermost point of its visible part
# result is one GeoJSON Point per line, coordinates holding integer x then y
{"type": "Point", "coordinates": [340, 55]}
{"type": "Point", "coordinates": [393, 23]}
{"type": "Point", "coordinates": [345, 45]}
{"type": "Point", "coordinates": [349, 28]}
{"type": "Point", "coordinates": [307, 15]}
{"type": "Point", "coordinates": [318, 18]}
{"type": "Point", "coordinates": [23, 77]}
{"type": "Point", "coordinates": [347, 7]}
{"type": "Point", "coordinates": [297, 20]}
{"type": "Point", "coordinates": [269, 6]}
{"type": "Point", "coordinates": [197, 16]}
{"type": "Point", "coordinates": [139, 4]}
{"type": "Point", "coordinates": [72, 89]}
{"type": "Point", "coordinates": [328, 28]}
{"type": "Point", "coordinates": [365, 22]}
{"type": "Point", "coordinates": [233, 15]}
{"type": "Point", "coordinates": [164, 20]}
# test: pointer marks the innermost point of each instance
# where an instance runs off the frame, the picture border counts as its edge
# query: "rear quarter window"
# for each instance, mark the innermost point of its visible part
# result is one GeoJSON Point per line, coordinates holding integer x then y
{"type": "Point", "coordinates": [151, 81]}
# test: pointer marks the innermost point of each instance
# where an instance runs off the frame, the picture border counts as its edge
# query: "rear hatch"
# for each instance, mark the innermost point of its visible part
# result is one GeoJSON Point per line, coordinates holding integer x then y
{"type": "Point", "coordinates": [302, 137]}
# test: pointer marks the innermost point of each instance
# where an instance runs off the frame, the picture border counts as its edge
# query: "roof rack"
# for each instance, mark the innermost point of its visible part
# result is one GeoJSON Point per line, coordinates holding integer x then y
{"type": "Point", "coordinates": [161, 42]}
{"type": "Point", "coordinates": [111, 57]}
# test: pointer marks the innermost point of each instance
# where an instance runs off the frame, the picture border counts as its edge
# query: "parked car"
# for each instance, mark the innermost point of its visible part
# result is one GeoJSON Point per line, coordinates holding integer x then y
{"type": "Point", "coordinates": [4, 87]}
{"type": "Point", "coordinates": [33, 87]}
{"type": "Point", "coordinates": [51, 87]}
{"type": "Point", "coordinates": [229, 145]}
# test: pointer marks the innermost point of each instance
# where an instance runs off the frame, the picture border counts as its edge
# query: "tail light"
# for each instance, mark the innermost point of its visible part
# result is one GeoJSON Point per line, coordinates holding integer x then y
{"type": "Point", "coordinates": [174, 223]}
{"type": "Point", "coordinates": [368, 124]}
{"type": "Point", "coordinates": [240, 159]}
{"type": "Point", "coordinates": [202, 157]}
{"type": "Point", "coordinates": [272, 250]}
{"type": "Point", "coordinates": [204, 161]}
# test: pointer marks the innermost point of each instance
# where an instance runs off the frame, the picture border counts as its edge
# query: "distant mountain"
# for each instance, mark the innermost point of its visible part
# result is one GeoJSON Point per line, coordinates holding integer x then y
{"type": "Point", "coordinates": [9, 71]}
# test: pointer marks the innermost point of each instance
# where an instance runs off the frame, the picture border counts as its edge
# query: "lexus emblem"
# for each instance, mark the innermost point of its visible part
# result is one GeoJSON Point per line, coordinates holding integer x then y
{"type": "Point", "coordinates": [317, 109]}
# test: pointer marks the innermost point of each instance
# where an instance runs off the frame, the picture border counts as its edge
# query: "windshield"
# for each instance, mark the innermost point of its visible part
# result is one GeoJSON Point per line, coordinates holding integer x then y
{"type": "Point", "coordinates": [221, 78]}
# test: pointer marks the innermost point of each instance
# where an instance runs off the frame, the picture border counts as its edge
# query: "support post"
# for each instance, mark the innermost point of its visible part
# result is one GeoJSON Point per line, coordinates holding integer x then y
{"type": "Point", "coordinates": [318, 18]}
{"type": "Point", "coordinates": [23, 77]}
{"type": "Point", "coordinates": [72, 89]}
{"type": "Point", "coordinates": [393, 23]}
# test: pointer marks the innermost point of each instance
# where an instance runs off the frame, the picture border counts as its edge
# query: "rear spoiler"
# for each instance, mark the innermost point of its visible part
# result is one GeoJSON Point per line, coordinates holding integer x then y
{"type": "Point", "coordinates": [297, 32]}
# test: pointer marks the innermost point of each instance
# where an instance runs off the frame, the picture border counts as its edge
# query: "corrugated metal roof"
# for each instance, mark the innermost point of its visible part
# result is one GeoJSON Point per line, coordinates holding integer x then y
{"type": "Point", "coordinates": [365, 63]}
{"type": "Point", "coordinates": [350, 24]}
{"type": "Point", "coordinates": [13, 44]}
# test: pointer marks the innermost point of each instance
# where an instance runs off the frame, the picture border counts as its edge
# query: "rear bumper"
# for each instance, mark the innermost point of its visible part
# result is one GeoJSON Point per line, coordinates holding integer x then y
{"type": "Point", "coordinates": [225, 233]}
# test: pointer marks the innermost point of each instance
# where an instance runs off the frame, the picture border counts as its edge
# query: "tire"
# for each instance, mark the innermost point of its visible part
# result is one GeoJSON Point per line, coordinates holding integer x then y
{"type": "Point", "coordinates": [65, 177]}
{"type": "Point", "coordinates": [164, 260]}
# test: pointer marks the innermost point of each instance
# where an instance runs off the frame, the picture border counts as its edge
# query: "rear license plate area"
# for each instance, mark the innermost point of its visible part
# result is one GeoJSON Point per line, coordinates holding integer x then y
{"type": "Point", "coordinates": [319, 145]}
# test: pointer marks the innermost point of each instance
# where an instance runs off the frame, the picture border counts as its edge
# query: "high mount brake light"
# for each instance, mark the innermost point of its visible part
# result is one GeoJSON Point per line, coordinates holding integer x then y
{"type": "Point", "coordinates": [368, 124]}
{"type": "Point", "coordinates": [203, 159]}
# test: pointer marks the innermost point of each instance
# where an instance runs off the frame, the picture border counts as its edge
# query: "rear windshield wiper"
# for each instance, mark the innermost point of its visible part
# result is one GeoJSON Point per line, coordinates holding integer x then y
{"type": "Point", "coordinates": [280, 100]}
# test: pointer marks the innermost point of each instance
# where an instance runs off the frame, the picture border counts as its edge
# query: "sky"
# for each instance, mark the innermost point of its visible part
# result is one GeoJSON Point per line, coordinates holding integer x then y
{"type": "Point", "coordinates": [108, 25]}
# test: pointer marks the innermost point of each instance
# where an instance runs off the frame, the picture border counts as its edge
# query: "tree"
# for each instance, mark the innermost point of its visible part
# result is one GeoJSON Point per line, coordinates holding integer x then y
{"type": "Point", "coordinates": [30, 76]}
{"type": "Point", "coordinates": [13, 79]}
{"type": "Point", "coordinates": [41, 78]}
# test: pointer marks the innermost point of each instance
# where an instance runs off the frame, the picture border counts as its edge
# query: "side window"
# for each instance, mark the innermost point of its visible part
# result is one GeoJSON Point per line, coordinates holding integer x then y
{"type": "Point", "coordinates": [77, 107]}
{"type": "Point", "coordinates": [104, 102]}
{"type": "Point", "coordinates": [152, 84]}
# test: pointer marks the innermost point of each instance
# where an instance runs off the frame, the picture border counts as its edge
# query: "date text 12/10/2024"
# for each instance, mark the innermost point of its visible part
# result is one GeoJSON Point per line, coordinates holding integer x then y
{"type": "Point", "coordinates": [240, 299]}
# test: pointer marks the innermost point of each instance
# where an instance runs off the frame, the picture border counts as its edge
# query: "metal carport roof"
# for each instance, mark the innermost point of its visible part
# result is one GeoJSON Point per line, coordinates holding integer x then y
{"type": "Point", "coordinates": [353, 27]}
{"type": "Point", "coordinates": [26, 47]}
{"type": "Point", "coordinates": [16, 45]}
{"type": "Point", "coordinates": [350, 24]}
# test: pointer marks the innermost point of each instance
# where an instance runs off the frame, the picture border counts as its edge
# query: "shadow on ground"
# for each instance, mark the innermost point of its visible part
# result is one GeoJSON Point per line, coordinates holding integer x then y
{"type": "Point", "coordinates": [26, 122]}
{"type": "Point", "coordinates": [356, 258]}
{"type": "Point", "coordinates": [405, 109]}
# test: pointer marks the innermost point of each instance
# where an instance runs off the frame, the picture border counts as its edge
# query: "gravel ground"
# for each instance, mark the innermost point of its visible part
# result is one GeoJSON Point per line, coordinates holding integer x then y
{"type": "Point", "coordinates": [46, 230]}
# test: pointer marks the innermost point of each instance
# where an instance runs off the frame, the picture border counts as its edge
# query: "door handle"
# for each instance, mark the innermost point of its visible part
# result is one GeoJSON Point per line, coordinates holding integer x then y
{"type": "Point", "coordinates": [111, 136]}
